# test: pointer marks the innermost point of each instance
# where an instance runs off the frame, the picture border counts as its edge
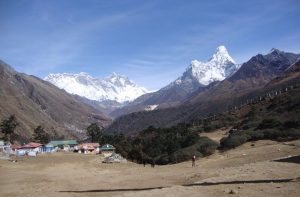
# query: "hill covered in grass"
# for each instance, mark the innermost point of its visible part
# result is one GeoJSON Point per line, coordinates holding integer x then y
{"type": "Point", "coordinates": [273, 116]}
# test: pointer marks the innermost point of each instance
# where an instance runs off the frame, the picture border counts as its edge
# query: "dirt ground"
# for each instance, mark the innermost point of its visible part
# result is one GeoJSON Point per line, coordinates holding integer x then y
{"type": "Point", "coordinates": [249, 170]}
{"type": "Point", "coordinates": [217, 135]}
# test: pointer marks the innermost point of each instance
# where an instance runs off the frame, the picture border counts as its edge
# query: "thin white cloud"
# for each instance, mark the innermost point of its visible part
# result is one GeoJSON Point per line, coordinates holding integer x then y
{"type": "Point", "coordinates": [63, 45]}
{"type": "Point", "coordinates": [161, 61]}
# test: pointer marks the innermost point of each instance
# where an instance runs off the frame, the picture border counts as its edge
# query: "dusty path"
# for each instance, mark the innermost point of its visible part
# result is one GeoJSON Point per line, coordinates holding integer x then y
{"type": "Point", "coordinates": [216, 135]}
{"type": "Point", "coordinates": [245, 171]}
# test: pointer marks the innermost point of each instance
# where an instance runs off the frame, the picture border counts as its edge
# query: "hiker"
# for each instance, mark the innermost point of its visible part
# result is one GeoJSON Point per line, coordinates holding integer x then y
{"type": "Point", "coordinates": [153, 163]}
{"type": "Point", "coordinates": [193, 161]}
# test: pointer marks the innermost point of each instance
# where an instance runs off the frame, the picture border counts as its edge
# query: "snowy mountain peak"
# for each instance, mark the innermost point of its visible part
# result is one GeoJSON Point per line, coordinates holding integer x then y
{"type": "Point", "coordinates": [119, 80]}
{"type": "Point", "coordinates": [221, 48]}
{"type": "Point", "coordinates": [115, 75]}
{"type": "Point", "coordinates": [275, 51]}
{"type": "Point", "coordinates": [217, 68]}
{"type": "Point", "coordinates": [221, 55]}
{"type": "Point", "coordinates": [83, 74]}
{"type": "Point", "coordinates": [115, 87]}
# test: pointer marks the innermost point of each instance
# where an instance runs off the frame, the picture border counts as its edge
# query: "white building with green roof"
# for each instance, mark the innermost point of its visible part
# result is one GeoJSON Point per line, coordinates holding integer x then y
{"type": "Point", "coordinates": [107, 150]}
{"type": "Point", "coordinates": [63, 144]}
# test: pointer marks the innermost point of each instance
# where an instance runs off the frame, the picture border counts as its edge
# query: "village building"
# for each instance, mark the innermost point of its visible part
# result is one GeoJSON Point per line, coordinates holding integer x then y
{"type": "Point", "coordinates": [66, 145]}
{"type": "Point", "coordinates": [15, 147]}
{"type": "Point", "coordinates": [2, 146]}
{"type": "Point", "coordinates": [31, 149]}
{"type": "Point", "coordinates": [88, 148]}
{"type": "Point", "coordinates": [49, 148]}
{"type": "Point", "coordinates": [32, 146]}
{"type": "Point", "coordinates": [5, 148]}
{"type": "Point", "coordinates": [107, 150]}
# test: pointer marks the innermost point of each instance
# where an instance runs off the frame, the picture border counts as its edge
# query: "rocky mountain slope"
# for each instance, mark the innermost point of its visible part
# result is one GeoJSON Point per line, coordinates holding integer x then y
{"type": "Point", "coordinates": [36, 102]}
{"type": "Point", "coordinates": [253, 74]}
{"type": "Point", "coordinates": [196, 77]}
{"type": "Point", "coordinates": [251, 80]}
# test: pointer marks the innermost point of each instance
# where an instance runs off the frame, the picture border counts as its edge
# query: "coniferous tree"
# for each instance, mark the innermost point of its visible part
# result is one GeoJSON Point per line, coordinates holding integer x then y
{"type": "Point", "coordinates": [40, 135]}
{"type": "Point", "coordinates": [8, 126]}
{"type": "Point", "coordinates": [94, 132]}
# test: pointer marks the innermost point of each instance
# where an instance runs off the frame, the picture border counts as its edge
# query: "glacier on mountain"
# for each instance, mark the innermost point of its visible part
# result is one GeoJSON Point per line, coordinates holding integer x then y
{"type": "Point", "coordinates": [121, 89]}
{"type": "Point", "coordinates": [217, 68]}
{"type": "Point", "coordinates": [115, 87]}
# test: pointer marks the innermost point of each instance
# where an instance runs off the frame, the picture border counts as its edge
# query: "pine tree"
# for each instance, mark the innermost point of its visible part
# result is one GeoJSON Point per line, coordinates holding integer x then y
{"type": "Point", "coordinates": [8, 126]}
{"type": "Point", "coordinates": [94, 132]}
{"type": "Point", "coordinates": [40, 135]}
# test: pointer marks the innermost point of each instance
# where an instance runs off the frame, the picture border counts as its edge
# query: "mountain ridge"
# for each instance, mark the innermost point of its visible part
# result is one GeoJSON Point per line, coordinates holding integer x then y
{"type": "Point", "coordinates": [196, 76]}
{"type": "Point", "coordinates": [247, 82]}
{"type": "Point", "coordinates": [37, 102]}
{"type": "Point", "coordinates": [114, 87]}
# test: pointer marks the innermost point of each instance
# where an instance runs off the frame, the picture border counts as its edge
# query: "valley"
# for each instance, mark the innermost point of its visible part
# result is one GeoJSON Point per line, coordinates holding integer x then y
{"type": "Point", "coordinates": [256, 77]}
{"type": "Point", "coordinates": [249, 170]}
{"type": "Point", "coordinates": [150, 98]}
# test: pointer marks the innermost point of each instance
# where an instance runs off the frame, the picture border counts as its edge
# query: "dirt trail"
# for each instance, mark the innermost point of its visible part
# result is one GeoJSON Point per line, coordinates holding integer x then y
{"type": "Point", "coordinates": [216, 135]}
{"type": "Point", "coordinates": [248, 170]}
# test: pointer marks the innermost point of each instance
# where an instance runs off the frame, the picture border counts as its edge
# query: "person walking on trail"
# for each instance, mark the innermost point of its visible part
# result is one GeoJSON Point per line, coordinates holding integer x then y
{"type": "Point", "coordinates": [194, 161]}
{"type": "Point", "coordinates": [153, 163]}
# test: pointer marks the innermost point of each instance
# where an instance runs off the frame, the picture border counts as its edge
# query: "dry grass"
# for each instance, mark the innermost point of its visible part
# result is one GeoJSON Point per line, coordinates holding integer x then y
{"type": "Point", "coordinates": [68, 174]}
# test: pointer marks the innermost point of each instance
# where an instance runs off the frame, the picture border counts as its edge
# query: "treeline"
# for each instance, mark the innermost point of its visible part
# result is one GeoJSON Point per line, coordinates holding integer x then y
{"type": "Point", "coordinates": [161, 145]}
{"type": "Point", "coordinates": [8, 127]}
{"type": "Point", "coordinates": [253, 98]}
{"type": "Point", "coordinates": [275, 119]}
{"type": "Point", "coordinates": [222, 120]}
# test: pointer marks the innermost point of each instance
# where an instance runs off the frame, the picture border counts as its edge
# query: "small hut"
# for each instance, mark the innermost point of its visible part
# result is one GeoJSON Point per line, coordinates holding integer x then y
{"type": "Point", "coordinates": [107, 150]}
{"type": "Point", "coordinates": [32, 146]}
{"type": "Point", "coordinates": [2, 146]}
{"type": "Point", "coordinates": [5, 147]}
{"type": "Point", "coordinates": [88, 148]}
{"type": "Point", "coordinates": [31, 149]}
{"type": "Point", "coordinates": [49, 148]}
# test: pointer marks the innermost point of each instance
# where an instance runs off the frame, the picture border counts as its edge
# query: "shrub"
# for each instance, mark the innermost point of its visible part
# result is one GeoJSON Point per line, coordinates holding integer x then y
{"type": "Point", "coordinates": [291, 124]}
{"type": "Point", "coordinates": [249, 125]}
{"type": "Point", "coordinates": [234, 140]}
{"type": "Point", "coordinates": [184, 154]}
{"type": "Point", "coordinates": [268, 123]}
{"type": "Point", "coordinates": [162, 159]}
{"type": "Point", "coordinates": [256, 135]}
{"type": "Point", "coordinates": [273, 134]}
{"type": "Point", "coordinates": [238, 138]}
{"type": "Point", "coordinates": [294, 133]}
{"type": "Point", "coordinates": [203, 147]}
{"type": "Point", "coordinates": [206, 146]}
{"type": "Point", "coordinates": [209, 128]}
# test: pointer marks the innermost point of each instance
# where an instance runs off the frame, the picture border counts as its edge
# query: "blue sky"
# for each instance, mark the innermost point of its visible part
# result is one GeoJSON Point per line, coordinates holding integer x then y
{"type": "Point", "coordinates": [152, 42]}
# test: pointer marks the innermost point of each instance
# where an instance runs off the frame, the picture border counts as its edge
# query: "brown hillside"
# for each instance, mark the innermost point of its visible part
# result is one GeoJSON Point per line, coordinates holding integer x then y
{"type": "Point", "coordinates": [36, 102]}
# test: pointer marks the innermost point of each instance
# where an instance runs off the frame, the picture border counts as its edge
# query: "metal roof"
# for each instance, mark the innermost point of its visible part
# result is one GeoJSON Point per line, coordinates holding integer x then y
{"type": "Point", "coordinates": [31, 145]}
{"type": "Point", "coordinates": [63, 142]}
{"type": "Point", "coordinates": [49, 145]}
{"type": "Point", "coordinates": [107, 147]}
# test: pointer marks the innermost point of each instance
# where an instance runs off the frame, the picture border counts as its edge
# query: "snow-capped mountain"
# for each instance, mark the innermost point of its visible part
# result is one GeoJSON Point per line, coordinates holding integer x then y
{"type": "Point", "coordinates": [217, 68]}
{"type": "Point", "coordinates": [115, 87]}
{"type": "Point", "coordinates": [197, 75]}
